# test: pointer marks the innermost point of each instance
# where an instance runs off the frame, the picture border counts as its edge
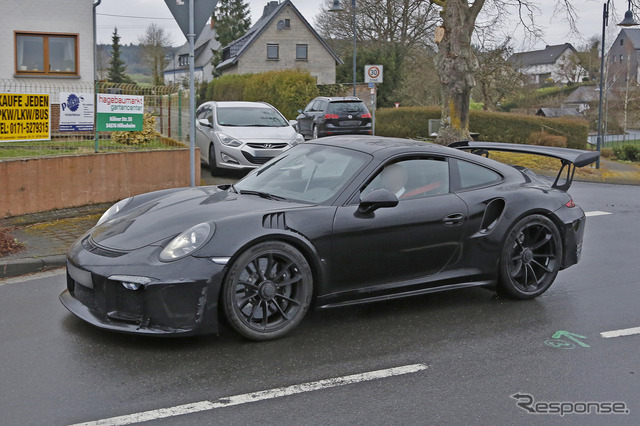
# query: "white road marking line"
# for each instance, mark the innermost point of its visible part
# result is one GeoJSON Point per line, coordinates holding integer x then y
{"type": "Point", "coordinates": [619, 333]}
{"type": "Point", "coordinates": [255, 396]}
{"type": "Point", "coordinates": [596, 213]}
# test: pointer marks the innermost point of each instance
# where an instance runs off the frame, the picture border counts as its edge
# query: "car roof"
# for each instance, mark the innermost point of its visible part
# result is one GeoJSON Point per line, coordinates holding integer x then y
{"type": "Point", "coordinates": [385, 147]}
{"type": "Point", "coordinates": [340, 98]}
{"type": "Point", "coordinates": [238, 104]}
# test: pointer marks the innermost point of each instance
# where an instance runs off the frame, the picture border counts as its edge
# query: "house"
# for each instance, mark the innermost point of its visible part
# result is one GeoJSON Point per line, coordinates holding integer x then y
{"type": "Point", "coordinates": [558, 112]}
{"type": "Point", "coordinates": [587, 97]}
{"type": "Point", "coordinates": [178, 67]}
{"type": "Point", "coordinates": [45, 43]}
{"type": "Point", "coordinates": [623, 59]}
{"type": "Point", "coordinates": [553, 63]}
{"type": "Point", "coordinates": [281, 39]}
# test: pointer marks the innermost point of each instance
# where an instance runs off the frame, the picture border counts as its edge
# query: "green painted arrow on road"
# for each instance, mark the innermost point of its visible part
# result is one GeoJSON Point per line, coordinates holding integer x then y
{"type": "Point", "coordinates": [571, 336]}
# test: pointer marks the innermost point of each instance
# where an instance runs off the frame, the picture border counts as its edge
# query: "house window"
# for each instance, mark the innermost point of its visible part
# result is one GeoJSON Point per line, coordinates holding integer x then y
{"type": "Point", "coordinates": [183, 60]}
{"type": "Point", "coordinates": [226, 54]}
{"type": "Point", "coordinates": [287, 23]}
{"type": "Point", "coordinates": [614, 59]}
{"type": "Point", "coordinates": [46, 54]}
{"type": "Point", "coordinates": [620, 58]}
{"type": "Point", "coordinates": [273, 51]}
{"type": "Point", "coordinates": [302, 52]}
{"type": "Point", "coordinates": [621, 41]}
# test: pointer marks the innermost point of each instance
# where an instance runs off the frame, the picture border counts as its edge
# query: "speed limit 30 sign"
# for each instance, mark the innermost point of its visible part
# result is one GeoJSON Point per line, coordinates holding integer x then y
{"type": "Point", "coordinates": [373, 73]}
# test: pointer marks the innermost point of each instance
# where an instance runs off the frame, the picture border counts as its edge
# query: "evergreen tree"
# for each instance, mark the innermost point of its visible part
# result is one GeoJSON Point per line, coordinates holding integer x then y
{"type": "Point", "coordinates": [231, 21]}
{"type": "Point", "coordinates": [117, 68]}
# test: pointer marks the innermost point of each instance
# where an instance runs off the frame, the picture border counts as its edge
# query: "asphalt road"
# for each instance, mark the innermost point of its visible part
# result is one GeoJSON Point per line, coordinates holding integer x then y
{"type": "Point", "coordinates": [472, 351]}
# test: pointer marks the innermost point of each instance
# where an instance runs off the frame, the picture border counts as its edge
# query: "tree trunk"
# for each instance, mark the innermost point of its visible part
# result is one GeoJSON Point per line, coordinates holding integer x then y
{"type": "Point", "coordinates": [456, 63]}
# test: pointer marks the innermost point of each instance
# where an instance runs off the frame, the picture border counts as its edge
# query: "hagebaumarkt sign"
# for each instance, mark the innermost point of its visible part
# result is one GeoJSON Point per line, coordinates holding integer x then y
{"type": "Point", "coordinates": [118, 113]}
{"type": "Point", "coordinates": [76, 112]}
{"type": "Point", "coordinates": [24, 116]}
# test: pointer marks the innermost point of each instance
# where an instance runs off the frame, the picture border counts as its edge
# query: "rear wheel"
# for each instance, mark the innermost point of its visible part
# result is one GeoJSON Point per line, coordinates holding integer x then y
{"type": "Point", "coordinates": [215, 170]}
{"type": "Point", "coordinates": [267, 291]}
{"type": "Point", "coordinates": [531, 258]}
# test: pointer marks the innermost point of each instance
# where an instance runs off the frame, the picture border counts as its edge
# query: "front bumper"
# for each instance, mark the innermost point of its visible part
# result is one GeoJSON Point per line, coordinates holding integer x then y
{"type": "Point", "coordinates": [247, 156]}
{"type": "Point", "coordinates": [180, 299]}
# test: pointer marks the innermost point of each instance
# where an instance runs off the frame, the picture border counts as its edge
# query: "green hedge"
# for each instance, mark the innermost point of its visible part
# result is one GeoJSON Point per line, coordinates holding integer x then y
{"type": "Point", "coordinates": [287, 90]}
{"type": "Point", "coordinates": [627, 152]}
{"type": "Point", "coordinates": [412, 122]}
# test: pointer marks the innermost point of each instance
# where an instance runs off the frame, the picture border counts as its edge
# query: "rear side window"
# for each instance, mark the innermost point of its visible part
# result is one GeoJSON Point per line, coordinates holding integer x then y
{"type": "Point", "coordinates": [347, 108]}
{"type": "Point", "coordinates": [475, 176]}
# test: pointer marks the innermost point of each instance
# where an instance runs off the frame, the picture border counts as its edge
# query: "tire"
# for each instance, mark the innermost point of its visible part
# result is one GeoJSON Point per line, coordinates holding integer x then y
{"type": "Point", "coordinates": [530, 258]}
{"type": "Point", "coordinates": [315, 132]}
{"type": "Point", "coordinates": [267, 291]}
{"type": "Point", "coordinates": [215, 170]}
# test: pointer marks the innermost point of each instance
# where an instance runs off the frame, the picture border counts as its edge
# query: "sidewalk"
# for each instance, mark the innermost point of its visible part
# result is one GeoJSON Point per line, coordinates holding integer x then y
{"type": "Point", "coordinates": [46, 237]}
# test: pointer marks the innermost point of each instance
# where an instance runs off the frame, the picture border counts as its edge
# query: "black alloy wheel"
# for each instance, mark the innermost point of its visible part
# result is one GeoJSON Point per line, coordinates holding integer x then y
{"type": "Point", "coordinates": [267, 291]}
{"type": "Point", "coordinates": [531, 258]}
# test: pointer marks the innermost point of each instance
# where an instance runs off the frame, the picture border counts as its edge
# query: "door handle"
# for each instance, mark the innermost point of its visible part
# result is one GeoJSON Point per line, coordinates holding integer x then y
{"type": "Point", "coordinates": [453, 219]}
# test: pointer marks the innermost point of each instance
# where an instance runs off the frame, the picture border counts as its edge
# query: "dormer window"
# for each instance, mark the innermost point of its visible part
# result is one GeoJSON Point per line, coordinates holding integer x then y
{"type": "Point", "coordinates": [183, 60]}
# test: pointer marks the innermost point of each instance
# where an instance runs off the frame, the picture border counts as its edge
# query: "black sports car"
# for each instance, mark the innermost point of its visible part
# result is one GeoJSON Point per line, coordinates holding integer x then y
{"type": "Point", "coordinates": [336, 222]}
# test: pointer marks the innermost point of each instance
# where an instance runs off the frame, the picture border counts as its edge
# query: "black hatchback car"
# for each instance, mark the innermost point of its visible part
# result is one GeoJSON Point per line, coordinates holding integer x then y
{"type": "Point", "coordinates": [334, 116]}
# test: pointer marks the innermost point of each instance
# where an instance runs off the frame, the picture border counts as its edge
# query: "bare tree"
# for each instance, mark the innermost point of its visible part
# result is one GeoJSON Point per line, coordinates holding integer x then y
{"type": "Point", "coordinates": [154, 45]}
{"type": "Point", "coordinates": [456, 60]}
{"type": "Point", "coordinates": [402, 23]}
{"type": "Point", "coordinates": [496, 77]}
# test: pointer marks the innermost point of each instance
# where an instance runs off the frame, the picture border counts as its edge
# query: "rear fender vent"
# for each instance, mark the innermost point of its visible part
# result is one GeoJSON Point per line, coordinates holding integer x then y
{"type": "Point", "coordinates": [274, 221]}
{"type": "Point", "coordinates": [492, 215]}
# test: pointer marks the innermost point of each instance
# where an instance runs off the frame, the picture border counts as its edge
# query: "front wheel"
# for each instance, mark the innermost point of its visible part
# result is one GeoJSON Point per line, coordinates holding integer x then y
{"type": "Point", "coordinates": [215, 170]}
{"type": "Point", "coordinates": [531, 258]}
{"type": "Point", "coordinates": [267, 291]}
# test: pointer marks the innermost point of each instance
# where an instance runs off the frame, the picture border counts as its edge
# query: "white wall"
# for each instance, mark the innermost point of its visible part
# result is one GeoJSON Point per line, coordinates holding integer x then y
{"type": "Point", "coordinates": [47, 16]}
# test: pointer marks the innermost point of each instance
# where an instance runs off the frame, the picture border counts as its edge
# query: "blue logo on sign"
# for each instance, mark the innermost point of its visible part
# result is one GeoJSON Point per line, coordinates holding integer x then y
{"type": "Point", "coordinates": [73, 102]}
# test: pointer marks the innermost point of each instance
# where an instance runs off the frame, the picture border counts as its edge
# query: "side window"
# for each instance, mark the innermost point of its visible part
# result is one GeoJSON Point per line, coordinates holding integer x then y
{"type": "Point", "coordinates": [202, 113]}
{"type": "Point", "coordinates": [414, 178]}
{"type": "Point", "coordinates": [309, 106]}
{"type": "Point", "coordinates": [474, 176]}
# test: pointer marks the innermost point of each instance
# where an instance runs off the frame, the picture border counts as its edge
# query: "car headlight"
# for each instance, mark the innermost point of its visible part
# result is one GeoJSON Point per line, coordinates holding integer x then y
{"type": "Point", "coordinates": [113, 210]}
{"type": "Point", "coordinates": [187, 242]}
{"type": "Point", "coordinates": [228, 140]}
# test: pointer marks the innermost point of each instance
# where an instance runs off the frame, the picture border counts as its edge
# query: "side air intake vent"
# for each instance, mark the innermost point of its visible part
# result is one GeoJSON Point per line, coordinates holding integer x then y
{"type": "Point", "coordinates": [274, 221]}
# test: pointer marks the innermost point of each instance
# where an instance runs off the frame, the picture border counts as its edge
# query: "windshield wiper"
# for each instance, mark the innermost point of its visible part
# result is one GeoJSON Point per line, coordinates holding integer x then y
{"type": "Point", "coordinates": [262, 195]}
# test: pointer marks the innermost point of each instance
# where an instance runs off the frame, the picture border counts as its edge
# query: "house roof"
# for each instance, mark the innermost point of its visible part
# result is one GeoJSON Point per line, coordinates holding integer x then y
{"type": "Point", "coordinates": [633, 34]}
{"type": "Point", "coordinates": [587, 95]}
{"type": "Point", "coordinates": [558, 112]}
{"type": "Point", "coordinates": [239, 46]}
{"type": "Point", "coordinates": [202, 51]}
{"type": "Point", "coordinates": [548, 55]}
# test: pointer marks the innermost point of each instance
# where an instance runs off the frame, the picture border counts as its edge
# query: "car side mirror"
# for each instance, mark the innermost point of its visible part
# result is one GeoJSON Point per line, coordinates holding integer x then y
{"type": "Point", "coordinates": [205, 122]}
{"type": "Point", "coordinates": [299, 111]}
{"type": "Point", "coordinates": [376, 199]}
{"type": "Point", "coordinates": [293, 123]}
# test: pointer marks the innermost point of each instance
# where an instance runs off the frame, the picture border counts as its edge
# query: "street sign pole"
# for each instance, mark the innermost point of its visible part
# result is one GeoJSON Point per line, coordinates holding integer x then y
{"type": "Point", "coordinates": [192, 96]}
{"type": "Point", "coordinates": [191, 20]}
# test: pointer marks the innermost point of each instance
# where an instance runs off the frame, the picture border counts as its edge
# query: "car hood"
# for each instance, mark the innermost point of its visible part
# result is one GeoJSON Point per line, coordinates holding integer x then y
{"type": "Point", "coordinates": [257, 134]}
{"type": "Point", "coordinates": [169, 215]}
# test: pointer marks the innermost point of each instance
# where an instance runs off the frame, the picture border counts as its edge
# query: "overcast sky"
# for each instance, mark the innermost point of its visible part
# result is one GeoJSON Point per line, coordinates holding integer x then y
{"type": "Point", "coordinates": [133, 16]}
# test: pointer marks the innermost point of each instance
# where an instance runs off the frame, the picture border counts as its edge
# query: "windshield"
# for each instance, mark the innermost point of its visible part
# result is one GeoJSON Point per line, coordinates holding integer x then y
{"type": "Point", "coordinates": [306, 173]}
{"type": "Point", "coordinates": [250, 117]}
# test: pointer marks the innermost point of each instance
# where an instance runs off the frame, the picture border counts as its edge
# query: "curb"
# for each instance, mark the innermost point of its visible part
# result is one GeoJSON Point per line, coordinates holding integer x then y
{"type": "Point", "coordinates": [30, 265]}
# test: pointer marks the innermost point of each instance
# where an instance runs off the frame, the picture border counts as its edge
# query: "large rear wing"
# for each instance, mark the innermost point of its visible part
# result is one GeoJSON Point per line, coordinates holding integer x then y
{"type": "Point", "coordinates": [570, 158]}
